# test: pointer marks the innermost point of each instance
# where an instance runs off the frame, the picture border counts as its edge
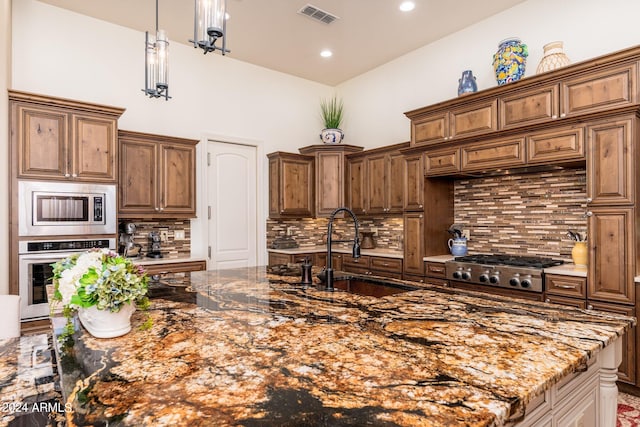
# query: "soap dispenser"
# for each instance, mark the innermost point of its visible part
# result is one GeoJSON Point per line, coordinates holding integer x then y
{"type": "Point", "coordinates": [306, 272]}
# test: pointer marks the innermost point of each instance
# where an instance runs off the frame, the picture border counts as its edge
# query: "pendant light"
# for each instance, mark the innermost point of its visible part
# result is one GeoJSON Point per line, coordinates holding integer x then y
{"type": "Point", "coordinates": [209, 25]}
{"type": "Point", "coordinates": [156, 63]}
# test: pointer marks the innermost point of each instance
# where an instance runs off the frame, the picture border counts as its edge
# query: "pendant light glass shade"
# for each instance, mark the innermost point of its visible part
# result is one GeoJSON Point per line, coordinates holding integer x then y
{"type": "Point", "coordinates": [156, 63]}
{"type": "Point", "coordinates": [210, 25]}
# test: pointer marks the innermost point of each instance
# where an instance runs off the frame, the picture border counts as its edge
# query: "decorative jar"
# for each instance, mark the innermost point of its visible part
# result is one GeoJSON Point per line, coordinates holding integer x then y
{"type": "Point", "coordinates": [554, 57]}
{"type": "Point", "coordinates": [579, 254]}
{"type": "Point", "coordinates": [510, 60]}
{"type": "Point", "coordinates": [105, 323]}
{"type": "Point", "coordinates": [467, 83]}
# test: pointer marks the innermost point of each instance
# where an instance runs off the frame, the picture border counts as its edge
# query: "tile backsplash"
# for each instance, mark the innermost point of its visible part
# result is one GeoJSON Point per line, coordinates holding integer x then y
{"type": "Point", "coordinates": [172, 248]}
{"type": "Point", "coordinates": [526, 214]}
{"type": "Point", "coordinates": [309, 232]}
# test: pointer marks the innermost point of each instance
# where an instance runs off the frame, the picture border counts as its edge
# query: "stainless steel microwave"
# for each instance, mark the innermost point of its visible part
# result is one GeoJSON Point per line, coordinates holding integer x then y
{"type": "Point", "coordinates": [50, 208]}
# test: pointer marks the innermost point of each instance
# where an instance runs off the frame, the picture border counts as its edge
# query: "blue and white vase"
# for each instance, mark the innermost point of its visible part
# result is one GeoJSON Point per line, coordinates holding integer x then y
{"type": "Point", "coordinates": [331, 136]}
{"type": "Point", "coordinates": [510, 60]}
{"type": "Point", "coordinates": [467, 83]}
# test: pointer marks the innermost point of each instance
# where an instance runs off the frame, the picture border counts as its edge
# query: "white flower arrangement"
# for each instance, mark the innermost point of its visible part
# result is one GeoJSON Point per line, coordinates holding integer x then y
{"type": "Point", "coordinates": [99, 278]}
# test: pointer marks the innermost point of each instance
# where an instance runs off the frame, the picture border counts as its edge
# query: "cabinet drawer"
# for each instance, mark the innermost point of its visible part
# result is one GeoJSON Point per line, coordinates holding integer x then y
{"type": "Point", "coordinates": [474, 119]}
{"type": "Point", "coordinates": [533, 106]}
{"type": "Point", "coordinates": [505, 153]}
{"type": "Point", "coordinates": [278, 259]}
{"type": "Point", "coordinates": [430, 129]}
{"type": "Point", "coordinates": [442, 162]}
{"type": "Point", "coordinates": [414, 278]}
{"type": "Point", "coordinates": [572, 302]}
{"type": "Point", "coordinates": [178, 267]}
{"type": "Point", "coordinates": [556, 146]}
{"type": "Point", "coordinates": [386, 264]}
{"type": "Point", "coordinates": [436, 281]}
{"type": "Point", "coordinates": [568, 286]}
{"type": "Point", "coordinates": [435, 269]}
{"type": "Point", "coordinates": [350, 261]}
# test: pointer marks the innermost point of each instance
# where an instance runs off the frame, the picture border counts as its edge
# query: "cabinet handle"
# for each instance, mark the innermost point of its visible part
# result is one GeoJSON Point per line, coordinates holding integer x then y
{"type": "Point", "coordinates": [589, 307]}
{"type": "Point", "coordinates": [420, 216]}
{"type": "Point", "coordinates": [565, 286]}
{"type": "Point", "coordinates": [589, 213]}
{"type": "Point", "coordinates": [75, 175]}
{"type": "Point", "coordinates": [563, 115]}
{"type": "Point", "coordinates": [161, 209]}
{"type": "Point", "coordinates": [157, 209]}
{"type": "Point", "coordinates": [589, 200]}
{"type": "Point", "coordinates": [66, 175]}
{"type": "Point", "coordinates": [554, 116]}
{"type": "Point", "coordinates": [547, 300]}
{"type": "Point", "coordinates": [420, 206]}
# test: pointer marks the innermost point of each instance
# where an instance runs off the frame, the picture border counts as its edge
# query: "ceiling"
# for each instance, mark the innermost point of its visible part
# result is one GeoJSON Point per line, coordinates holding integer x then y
{"type": "Point", "coordinates": [271, 34]}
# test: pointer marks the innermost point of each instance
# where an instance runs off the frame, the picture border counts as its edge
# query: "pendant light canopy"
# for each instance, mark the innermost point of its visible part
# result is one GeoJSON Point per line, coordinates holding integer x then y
{"type": "Point", "coordinates": [156, 63]}
{"type": "Point", "coordinates": [209, 25]}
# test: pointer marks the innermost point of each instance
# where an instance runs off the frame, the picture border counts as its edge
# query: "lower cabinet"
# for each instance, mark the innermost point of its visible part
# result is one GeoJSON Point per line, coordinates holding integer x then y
{"type": "Point", "coordinates": [279, 258]}
{"type": "Point", "coordinates": [162, 269]}
{"type": "Point", "coordinates": [373, 265]}
{"type": "Point", "coordinates": [414, 243]}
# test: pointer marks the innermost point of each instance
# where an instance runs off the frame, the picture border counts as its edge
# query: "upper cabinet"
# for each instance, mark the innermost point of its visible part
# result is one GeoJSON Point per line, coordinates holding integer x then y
{"type": "Point", "coordinates": [291, 185]}
{"type": "Point", "coordinates": [61, 139]}
{"type": "Point", "coordinates": [157, 176]}
{"type": "Point", "coordinates": [330, 186]}
{"type": "Point", "coordinates": [376, 181]}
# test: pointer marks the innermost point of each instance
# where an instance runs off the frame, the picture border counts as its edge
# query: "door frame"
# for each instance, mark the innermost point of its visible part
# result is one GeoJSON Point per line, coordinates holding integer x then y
{"type": "Point", "coordinates": [200, 225]}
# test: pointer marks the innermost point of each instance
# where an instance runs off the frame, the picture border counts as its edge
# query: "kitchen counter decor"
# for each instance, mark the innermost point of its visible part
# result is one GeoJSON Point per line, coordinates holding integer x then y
{"type": "Point", "coordinates": [245, 347]}
{"type": "Point", "coordinates": [332, 113]}
{"type": "Point", "coordinates": [510, 61]}
{"type": "Point", "coordinates": [103, 288]}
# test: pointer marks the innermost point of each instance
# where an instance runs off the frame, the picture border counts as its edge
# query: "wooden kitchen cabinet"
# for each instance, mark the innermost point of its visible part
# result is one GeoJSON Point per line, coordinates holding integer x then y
{"type": "Point", "coordinates": [508, 152]}
{"type": "Point", "coordinates": [62, 139]}
{"type": "Point", "coordinates": [414, 243]}
{"type": "Point", "coordinates": [291, 185]}
{"type": "Point", "coordinates": [376, 181]}
{"type": "Point", "coordinates": [611, 162]}
{"type": "Point", "coordinates": [330, 185]}
{"type": "Point", "coordinates": [566, 286]}
{"type": "Point", "coordinates": [174, 267]}
{"type": "Point", "coordinates": [157, 176]}
{"type": "Point", "coordinates": [443, 161]}
{"type": "Point", "coordinates": [556, 146]}
{"type": "Point", "coordinates": [413, 182]}
{"type": "Point", "coordinates": [276, 258]}
{"type": "Point", "coordinates": [535, 105]}
{"type": "Point", "coordinates": [373, 265]}
{"type": "Point", "coordinates": [465, 119]}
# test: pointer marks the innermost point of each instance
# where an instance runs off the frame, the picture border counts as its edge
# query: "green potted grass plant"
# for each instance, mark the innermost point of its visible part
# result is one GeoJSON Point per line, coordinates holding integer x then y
{"type": "Point", "coordinates": [332, 111]}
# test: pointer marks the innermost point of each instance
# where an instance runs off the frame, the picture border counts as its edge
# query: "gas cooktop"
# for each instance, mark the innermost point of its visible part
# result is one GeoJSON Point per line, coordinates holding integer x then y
{"type": "Point", "coordinates": [523, 273]}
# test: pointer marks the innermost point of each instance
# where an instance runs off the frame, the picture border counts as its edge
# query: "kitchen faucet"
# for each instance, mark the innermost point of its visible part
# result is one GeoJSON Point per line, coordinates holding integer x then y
{"type": "Point", "coordinates": [356, 244]}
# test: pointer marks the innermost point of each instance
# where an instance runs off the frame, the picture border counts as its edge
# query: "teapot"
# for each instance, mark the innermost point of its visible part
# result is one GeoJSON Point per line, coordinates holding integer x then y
{"type": "Point", "coordinates": [458, 246]}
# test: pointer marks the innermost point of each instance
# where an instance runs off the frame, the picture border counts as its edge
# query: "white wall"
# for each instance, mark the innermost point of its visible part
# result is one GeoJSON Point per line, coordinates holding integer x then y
{"type": "Point", "coordinates": [376, 101]}
{"type": "Point", "coordinates": [5, 83]}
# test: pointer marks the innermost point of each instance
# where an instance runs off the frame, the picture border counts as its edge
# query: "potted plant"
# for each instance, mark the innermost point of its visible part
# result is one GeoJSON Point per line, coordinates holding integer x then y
{"type": "Point", "coordinates": [332, 113]}
{"type": "Point", "coordinates": [103, 288]}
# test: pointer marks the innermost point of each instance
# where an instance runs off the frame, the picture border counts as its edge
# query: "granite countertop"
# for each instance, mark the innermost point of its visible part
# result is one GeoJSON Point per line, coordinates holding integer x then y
{"type": "Point", "coordinates": [243, 347]}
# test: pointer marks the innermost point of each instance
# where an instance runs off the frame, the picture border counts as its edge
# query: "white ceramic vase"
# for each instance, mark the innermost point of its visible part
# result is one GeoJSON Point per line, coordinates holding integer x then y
{"type": "Point", "coordinates": [104, 323]}
{"type": "Point", "coordinates": [331, 136]}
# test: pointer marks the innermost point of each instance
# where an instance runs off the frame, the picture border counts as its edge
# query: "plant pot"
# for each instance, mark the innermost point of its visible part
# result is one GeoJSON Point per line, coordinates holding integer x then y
{"type": "Point", "coordinates": [106, 324]}
{"type": "Point", "coordinates": [331, 136]}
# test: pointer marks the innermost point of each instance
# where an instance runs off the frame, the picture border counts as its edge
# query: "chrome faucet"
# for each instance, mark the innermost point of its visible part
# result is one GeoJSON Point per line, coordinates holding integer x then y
{"type": "Point", "coordinates": [356, 244]}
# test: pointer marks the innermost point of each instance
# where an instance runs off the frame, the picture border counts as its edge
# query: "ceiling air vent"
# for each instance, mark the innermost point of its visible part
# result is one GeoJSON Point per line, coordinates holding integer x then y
{"type": "Point", "coordinates": [317, 14]}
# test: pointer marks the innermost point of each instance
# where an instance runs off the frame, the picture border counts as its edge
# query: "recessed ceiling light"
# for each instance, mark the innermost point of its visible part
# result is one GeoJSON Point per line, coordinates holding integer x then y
{"type": "Point", "coordinates": [326, 53]}
{"type": "Point", "coordinates": [407, 6]}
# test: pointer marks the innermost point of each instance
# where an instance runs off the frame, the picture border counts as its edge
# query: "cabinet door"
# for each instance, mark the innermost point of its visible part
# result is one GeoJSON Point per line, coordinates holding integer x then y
{"type": "Point", "coordinates": [395, 199]}
{"type": "Point", "coordinates": [627, 368]}
{"type": "Point", "coordinates": [414, 182]}
{"type": "Point", "coordinates": [474, 119]}
{"type": "Point", "coordinates": [557, 146]}
{"type": "Point", "coordinates": [356, 169]}
{"type": "Point", "coordinates": [93, 153]}
{"type": "Point", "coordinates": [291, 186]}
{"type": "Point", "coordinates": [598, 91]}
{"type": "Point", "coordinates": [430, 129]}
{"type": "Point", "coordinates": [42, 142]}
{"type": "Point", "coordinates": [505, 153]}
{"type": "Point", "coordinates": [442, 162]}
{"type": "Point", "coordinates": [610, 163]}
{"type": "Point", "coordinates": [567, 286]}
{"type": "Point", "coordinates": [329, 182]}
{"type": "Point", "coordinates": [414, 243]}
{"type": "Point", "coordinates": [177, 180]}
{"type": "Point", "coordinates": [536, 105]}
{"type": "Point", "coordinates": [137, 189]}
{"type": "Point", "coordinates": [278, 259]}
{"type": "Point", "coordinates": [377, 181]}
{"type": "Point", "coordinates": [611, 255]}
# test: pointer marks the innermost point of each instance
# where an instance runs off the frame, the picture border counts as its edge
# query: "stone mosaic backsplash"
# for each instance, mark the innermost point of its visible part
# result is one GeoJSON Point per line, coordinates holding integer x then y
{"type": "Point", "coordinates": [526, 214]}
{"type": "Point", "coordinates": [172, 248]}
{"type": "Point", "coordinates": [309, 232]}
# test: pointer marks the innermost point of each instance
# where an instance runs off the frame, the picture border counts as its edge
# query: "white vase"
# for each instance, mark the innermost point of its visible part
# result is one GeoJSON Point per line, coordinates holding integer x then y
{"type": "Point", "coordinates": [554, 57]}
{"type": "Point", "coordinates": [104, 323]}
{"type": "Point", "coordinates": [331, 136]}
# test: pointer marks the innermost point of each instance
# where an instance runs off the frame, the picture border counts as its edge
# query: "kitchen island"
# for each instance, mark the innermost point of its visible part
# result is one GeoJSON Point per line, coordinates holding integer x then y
{"type": "Point", "coordinates": [244, 347]}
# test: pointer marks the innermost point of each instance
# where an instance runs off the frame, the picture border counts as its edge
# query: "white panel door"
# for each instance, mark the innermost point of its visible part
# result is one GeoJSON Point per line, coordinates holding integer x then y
{"type": "Point", "coordinates": [232, 184]}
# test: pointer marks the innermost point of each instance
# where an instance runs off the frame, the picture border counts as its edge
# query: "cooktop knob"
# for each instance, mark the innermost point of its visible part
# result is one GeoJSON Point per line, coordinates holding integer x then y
{"type": "Point", "coordinates": [514, 281]}
{"type": "Point", "coordinates": [484, 277]}
{"type": "Point", "coordinates": [495, 279]}
{"type": "Point", "coordinates": [457, 275]}
{"type": "Point", "coordinates": [466, 275]}
{"type": "Point", "coordinates": [525, 283]}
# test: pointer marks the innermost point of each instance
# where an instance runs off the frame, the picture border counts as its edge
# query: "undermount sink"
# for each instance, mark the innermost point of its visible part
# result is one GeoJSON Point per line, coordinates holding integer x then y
{"type": "Point", "coordinates": [370, 287]}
